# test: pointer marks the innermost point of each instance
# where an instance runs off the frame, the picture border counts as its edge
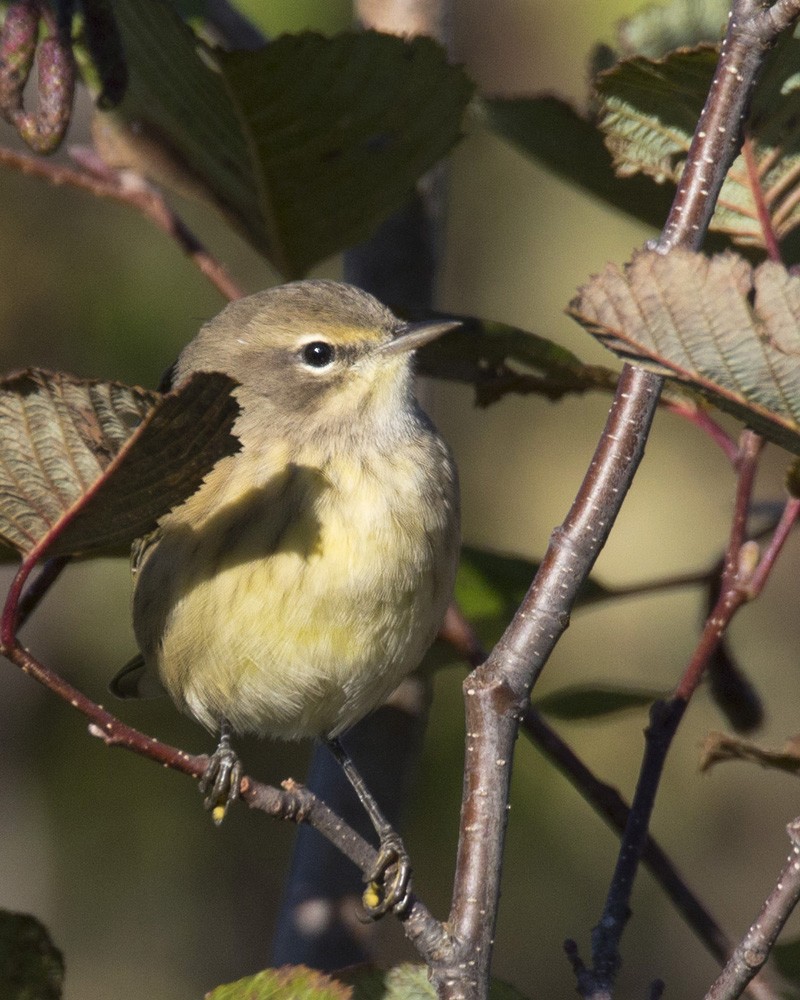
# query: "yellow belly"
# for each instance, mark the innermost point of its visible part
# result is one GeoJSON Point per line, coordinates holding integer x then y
{"type": "Point", "coordinates": [296, 611]}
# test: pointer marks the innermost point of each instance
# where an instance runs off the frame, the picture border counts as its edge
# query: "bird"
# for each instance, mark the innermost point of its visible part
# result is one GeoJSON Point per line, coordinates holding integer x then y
{"type": "Point", "coordinates": [311, 571]}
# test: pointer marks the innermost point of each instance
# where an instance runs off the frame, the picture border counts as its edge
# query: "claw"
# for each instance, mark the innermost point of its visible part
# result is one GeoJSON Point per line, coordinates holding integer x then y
{"type": "Point", "coordinates": [220, 783]}
{"type": "Point", "coordinates": [389, 882]}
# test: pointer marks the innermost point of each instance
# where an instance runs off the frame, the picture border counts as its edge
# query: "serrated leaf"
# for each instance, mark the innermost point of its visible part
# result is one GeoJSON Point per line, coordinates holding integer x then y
{"type": "Point", "coordinates": [594, 701]}
{"type": "Point", "coordinates": [87, 464]}
{"type": "Point", "coordinates": [287, 983]}
{"type": "Point", "coordinates": [554, 134]}
{"type": "Point", "coordinates": [648, 110]}
{"type": "Point", "coordinates": [488, 354]}
{"type": "Point", "coordinates": [402, 982]}
{"type": "Point", "coordinates": [719, 747]}
{"type": "Point", "coordinates": [406, 982]}
{"type": "Point", "coordinates": [31, 967]}
{"type": "Point", "coordinates": [691, 317]}
{"type": "Point", "coordinates": [339, 130]}
{"type": "Point", "coordinates": [176, 123]}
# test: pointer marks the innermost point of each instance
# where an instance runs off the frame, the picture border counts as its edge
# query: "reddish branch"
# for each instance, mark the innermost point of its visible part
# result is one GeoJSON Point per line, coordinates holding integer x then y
{"type": "Point", "coordinates": [129, 189]}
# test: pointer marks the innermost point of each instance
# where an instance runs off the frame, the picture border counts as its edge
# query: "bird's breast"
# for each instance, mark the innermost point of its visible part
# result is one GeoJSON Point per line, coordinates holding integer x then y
{"type": "Point", "coordinates": [300, 603]}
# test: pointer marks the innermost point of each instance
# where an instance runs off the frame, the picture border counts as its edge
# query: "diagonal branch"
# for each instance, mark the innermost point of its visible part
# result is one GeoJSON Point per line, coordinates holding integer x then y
{"type": "Point", "coordinates": [497, 693]}
{"type": "Point", "coordinates": [128, 189]}
{"type": "Point", "coordinates": [756, 945]}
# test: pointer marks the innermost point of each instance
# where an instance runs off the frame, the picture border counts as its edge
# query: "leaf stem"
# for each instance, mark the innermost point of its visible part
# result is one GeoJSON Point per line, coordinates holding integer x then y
{"type": "Point", "coordinates": [762, 209]}
{"type": "Point", "coordinates": [131, 190]}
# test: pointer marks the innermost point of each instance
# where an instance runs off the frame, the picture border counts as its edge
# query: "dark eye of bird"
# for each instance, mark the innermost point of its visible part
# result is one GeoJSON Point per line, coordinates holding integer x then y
{"type": "Point", "coordinates": [318, 354]}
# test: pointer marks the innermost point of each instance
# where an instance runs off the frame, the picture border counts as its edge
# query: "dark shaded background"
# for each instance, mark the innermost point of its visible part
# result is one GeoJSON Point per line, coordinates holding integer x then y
{"type": "Point", "coordinates": [144, 896]}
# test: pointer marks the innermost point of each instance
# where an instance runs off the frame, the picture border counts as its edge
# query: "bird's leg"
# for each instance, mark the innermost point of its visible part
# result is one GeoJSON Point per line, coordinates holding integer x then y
{"type": "Point", "coordinates": [389, 881]}
{"type": "Point", "coordinates": [220, 783]}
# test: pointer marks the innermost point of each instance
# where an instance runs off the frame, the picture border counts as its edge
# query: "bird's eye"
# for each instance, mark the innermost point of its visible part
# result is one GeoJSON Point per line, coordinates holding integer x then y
{"type": "Point", "coordinates": [318, 354]}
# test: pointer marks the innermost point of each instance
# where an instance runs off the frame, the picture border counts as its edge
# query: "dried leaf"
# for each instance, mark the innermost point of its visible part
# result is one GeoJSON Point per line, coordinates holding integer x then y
{"type": "Point", "coordinates": [720, 747]}
{"type": "Point", "coordinates": [716, 324]}
{"type": "Point", "coordinates": [498, 359]}
{"type": "Point", "coordinates": [87, 464]}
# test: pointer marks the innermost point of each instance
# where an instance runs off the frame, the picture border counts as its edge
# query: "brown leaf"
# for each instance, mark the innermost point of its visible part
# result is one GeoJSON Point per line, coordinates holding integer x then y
{"type": "Point", "coordinates": [716, 324]}
{"type": "Point", "coordinates": [87, 464]}
{"type": "Point", "coordinates": [721, 746]}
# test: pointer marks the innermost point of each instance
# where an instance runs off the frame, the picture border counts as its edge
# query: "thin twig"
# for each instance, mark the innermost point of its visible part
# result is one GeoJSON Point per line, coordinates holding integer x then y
{"type": "Point", "coordinates": [131, 190]}
{"type": "Point", "coordinates": [293, 803]}
{"type": "Point", "coordinates": [610, 805]}
{"type": "Point", "coordinates": [714, 146]}
{"type": "Point", "coordinates": [762, 209]}
{"type": "Point", "coordinates": [702, 419]}
{"type": "Point", "coordinates": [756, 945]}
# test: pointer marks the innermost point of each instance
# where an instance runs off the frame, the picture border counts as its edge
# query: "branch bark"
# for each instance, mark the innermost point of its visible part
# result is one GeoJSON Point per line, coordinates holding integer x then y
{"type": "Point", "coordinates": [497, 693]}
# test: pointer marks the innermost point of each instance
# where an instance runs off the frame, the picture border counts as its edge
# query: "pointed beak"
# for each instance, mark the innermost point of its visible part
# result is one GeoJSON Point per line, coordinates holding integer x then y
{"type": "Point", "coordinates": [410, 336]}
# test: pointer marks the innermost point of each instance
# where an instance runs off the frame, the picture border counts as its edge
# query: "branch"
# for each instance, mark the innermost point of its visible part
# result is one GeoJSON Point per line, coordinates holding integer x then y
{"type": "Point", "coordinates": [129, 189]}
{"type": "Point", "coordinates": [294, 802]}
{"type": "Point", "coordinates": [756, 945]}
{"type": "Point", "coordinates": [497, 693]}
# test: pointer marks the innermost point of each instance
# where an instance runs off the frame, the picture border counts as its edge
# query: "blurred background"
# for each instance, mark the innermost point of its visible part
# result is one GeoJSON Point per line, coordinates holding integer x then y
{"type": "Point", "coordinates": [143, 895]}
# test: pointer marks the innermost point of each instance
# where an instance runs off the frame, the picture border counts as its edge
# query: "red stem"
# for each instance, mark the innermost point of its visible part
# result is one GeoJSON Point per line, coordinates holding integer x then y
{"type": "Point", "coordinates": [762, 210]}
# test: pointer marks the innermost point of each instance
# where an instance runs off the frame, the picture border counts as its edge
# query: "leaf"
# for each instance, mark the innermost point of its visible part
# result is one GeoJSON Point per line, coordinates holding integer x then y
{"type": "Point", "coordinates": [659, 28]}
{"type": "Point", "coordinates": [490, 587]}
{"type": "Point", "coordinates": [483, 353]}
{"type": "Point", "coordinates": [787, 959]}
{"type": "Point", "coordinates": [359, 982]}
{"type": "Point", "coordinates": [722, 747]}
{"type": "Point", "coordinates": [554, 134]}
{"type": "Point", "coordinates": [339, 130]}
{"type": "Point", "coordinates": [31, 967]}
{"type": "Point", "coordinates": [648, 110]}
{"type": "Point", "coordinates": [593, 701]}
{"type": "Point", "coordinates": [176, 123]}
{"type": "Point", "coordinates": [87, 464]}
{"type": "Point", "coordinates": [287, 983]}
{"type": "Point", "coordinates": [726, 329]}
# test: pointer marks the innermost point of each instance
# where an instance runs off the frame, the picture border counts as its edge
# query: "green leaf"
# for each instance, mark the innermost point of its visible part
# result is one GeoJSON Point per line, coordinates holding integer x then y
{"type": "Point", "coordinates": [359, 982]}
{"type": "Point", "coordinates": [659, 28]}
{"type": "Point", "coordinates": [787, 959]}
{"type": "Point", "coordinates": [287, 983]}
{"type": "Point", "coordinates": [554, 134]}
{"type": "Point", "coordinates": [87, 464]}
{"type": "Point", "coordinates": [403, 982]}
{"type": "Point", "coordinates": [176, 123]}
{"type": "Point", "coordinates": [339, 131]}
{"type": "Point", "coordinates": [31, 967]}
{"type": "Point", "coordinates": [593, 701]}
{"type": "Point", "coordinates": [490, 587]}
{"type": "Point", "coordinates": [716, 324]}
{"type": "Point", "coordinates": [649, 110]}
{"type": "Point", "coordinates": [487, 354]}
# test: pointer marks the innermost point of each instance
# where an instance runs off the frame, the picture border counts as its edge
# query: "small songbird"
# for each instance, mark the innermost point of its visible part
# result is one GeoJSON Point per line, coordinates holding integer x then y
{"type": "Point", "coordinates": [311, 571]}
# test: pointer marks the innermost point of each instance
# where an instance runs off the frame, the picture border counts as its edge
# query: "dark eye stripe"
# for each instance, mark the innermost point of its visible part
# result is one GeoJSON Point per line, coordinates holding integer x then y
{"type": "Point", "coordinates": [318, 354]}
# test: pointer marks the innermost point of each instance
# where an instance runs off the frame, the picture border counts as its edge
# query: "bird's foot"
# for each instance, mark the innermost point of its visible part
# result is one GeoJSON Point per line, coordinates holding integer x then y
{"type": "Point", "coordinates": [220, 783]}
{"type": "Point", "coordinates": [389, 882]}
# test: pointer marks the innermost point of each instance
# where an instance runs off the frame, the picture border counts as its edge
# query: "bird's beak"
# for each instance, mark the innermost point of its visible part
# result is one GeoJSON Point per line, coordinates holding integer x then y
{"type": "Point", "coordinates": [410, 336]}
